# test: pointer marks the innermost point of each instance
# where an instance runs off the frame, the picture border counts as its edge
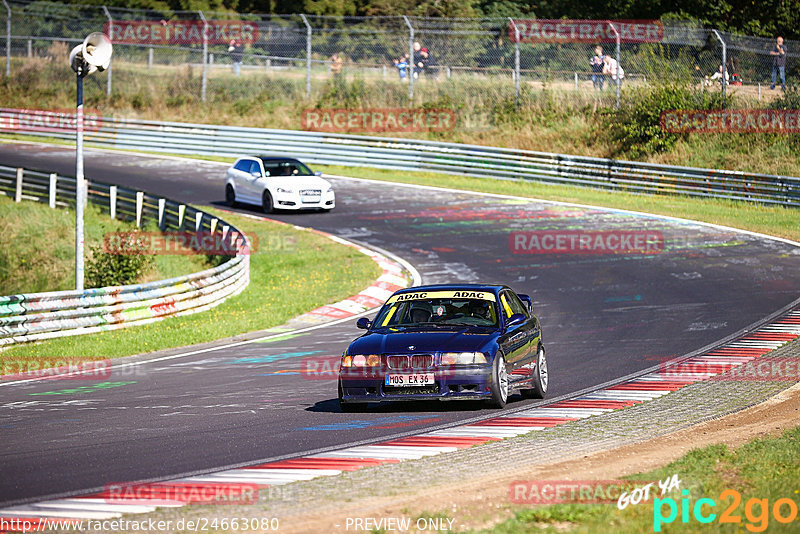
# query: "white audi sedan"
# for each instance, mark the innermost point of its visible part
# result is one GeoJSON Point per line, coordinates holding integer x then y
{"type": "Point", "coordinates": [277, 183]}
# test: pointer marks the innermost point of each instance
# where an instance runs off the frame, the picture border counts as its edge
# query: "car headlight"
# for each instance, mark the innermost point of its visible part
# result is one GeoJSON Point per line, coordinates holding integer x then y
{"type": "Point", "coordinates": [361, 360]}
{"type": "Point", "coordinates": [282, 190]}
{"type": "Point", "coordinates": [330, 190]}
{"type": "Point", "coordinates": [462, 358]}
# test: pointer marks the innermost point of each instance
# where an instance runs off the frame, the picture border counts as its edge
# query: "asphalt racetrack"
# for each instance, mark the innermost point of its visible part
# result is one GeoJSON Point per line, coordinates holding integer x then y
{"type": "Point", "coordinates": [604, 316]}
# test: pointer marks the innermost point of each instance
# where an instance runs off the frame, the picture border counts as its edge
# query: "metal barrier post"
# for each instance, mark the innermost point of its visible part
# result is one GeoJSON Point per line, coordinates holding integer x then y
{"type": "Point", "coordinates": [516, 61]}
{"type": "Point", "coordinates": [149, 58]}
{"type": "Point", "coordinates": [724, 80]}
{"type": "Point", "coordinates": [8, 39]}
{"type": "Point", "coordinates": [308, 55]}
{"type": "Point", "coordinates": [161, 206]}
{"type": "Point", "coordinates": [411, 64]}
{"type": "Point", "coordinates": [619, 66]}
{"type": "Point", "coordinates": [112, 201]}
{"type": "Point", "coordinates": [18, 188]}
{"type": "Point", "coordinates": [52, 191]}
{"type": "Point", "coordinates": [139, 206]}
{"type": "Point", "coordinates": [205, 57]}
{"type": "Point", "coordinates": [111, 31]}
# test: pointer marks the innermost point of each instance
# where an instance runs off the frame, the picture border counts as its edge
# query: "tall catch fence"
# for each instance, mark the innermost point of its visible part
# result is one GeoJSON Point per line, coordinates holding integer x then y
{"type": "Point", "coordinates": [500, 59]}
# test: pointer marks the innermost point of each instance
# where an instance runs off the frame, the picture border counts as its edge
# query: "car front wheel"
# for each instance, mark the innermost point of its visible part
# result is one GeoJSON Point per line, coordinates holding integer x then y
{"type": "Point", "coordinates": [266, 202]}
{"type": "Point", "coordinates": [499, 384]}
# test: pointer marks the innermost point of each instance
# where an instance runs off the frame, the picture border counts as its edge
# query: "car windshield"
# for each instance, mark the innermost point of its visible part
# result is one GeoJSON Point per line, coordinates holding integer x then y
{"type": "Point", "coordinates": [288, 167]}
{"type": "Point", "coordinates": [427, 312]}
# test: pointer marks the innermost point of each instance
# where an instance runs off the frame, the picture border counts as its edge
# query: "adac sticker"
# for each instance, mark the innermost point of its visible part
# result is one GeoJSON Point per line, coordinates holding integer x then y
{"type": "Point", "coordinates": [424, 295]}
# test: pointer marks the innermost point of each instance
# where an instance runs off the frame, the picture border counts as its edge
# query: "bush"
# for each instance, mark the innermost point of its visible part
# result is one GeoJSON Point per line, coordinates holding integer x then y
{"type": "Point", "coordinates": [104, 269]}
{"type": "Point", "coordinates": [636, 127]}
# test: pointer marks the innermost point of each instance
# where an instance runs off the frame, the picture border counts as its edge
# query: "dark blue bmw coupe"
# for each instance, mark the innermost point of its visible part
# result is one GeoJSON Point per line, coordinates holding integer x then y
{"type": "Point", "coordinates": [446, 342]}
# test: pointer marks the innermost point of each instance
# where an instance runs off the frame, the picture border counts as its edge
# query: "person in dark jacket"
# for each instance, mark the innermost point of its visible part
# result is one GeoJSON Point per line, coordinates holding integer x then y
{"type": "Point", "coordinates": [778, 63]}
{"type": "Point", "coordinates": [236, 51]}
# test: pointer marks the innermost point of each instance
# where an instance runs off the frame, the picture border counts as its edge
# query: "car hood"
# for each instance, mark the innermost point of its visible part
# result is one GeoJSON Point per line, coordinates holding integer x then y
{"type": "Point", "coordinates": [424, 341]}
{"type": "Point", "coordinates": [300, 182]}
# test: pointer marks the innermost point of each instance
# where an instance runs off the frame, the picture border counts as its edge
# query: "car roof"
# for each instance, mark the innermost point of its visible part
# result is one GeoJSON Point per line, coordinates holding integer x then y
{"type": "Point", "coordinates": [455, 287]}
{"type": "Point", "coordinates": [276, 158]}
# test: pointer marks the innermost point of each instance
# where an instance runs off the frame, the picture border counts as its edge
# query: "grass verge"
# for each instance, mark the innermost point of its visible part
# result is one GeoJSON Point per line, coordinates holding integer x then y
{"type": "Point", "coordinates": [765, 470]}
{"type": "Point", "coordinates": [37, 248]}
{"type": "Point", "coordinates": [286, 278]}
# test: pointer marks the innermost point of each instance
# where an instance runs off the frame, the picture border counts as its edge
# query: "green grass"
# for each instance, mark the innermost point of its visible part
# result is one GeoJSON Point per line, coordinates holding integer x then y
{"type": "Point", "coordinates": [37, 247]}
{"type": "Point", "coordinates": [292, 271]}
{"type": "Point", "coordinates": [765, 468]}
{"type": "Point", "coordinates": [776, 221]}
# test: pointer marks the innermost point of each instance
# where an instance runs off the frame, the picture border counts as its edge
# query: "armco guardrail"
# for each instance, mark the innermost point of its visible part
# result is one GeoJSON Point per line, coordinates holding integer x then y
{"type": "Point", "coordinates": [38, 316]}
{"type": "Point", "coordinates": [415, 155]}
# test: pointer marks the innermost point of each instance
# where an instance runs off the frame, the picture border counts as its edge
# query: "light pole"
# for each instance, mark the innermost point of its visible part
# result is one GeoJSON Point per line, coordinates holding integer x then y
{"type": "Point", "coordinates": [92, 55]}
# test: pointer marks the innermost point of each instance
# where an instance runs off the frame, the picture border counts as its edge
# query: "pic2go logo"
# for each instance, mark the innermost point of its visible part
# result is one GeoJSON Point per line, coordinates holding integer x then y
{"type": "Point", "coordinates": [756, 511]}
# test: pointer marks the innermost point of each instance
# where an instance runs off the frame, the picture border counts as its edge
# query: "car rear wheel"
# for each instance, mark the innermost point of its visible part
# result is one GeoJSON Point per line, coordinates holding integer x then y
{"type": "Point", "coordinates": [230, 196]}
{"type": "Point", "coordinates": [541, 378]}
{"type": "Point", "coordinates": [499, 384]}
{"type": "Point", "coordinates": [266, 202]}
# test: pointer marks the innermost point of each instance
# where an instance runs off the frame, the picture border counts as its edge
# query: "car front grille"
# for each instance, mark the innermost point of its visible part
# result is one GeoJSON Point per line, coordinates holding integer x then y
{"type": "Point", "coordinates": [409, 361]}
{"type": "Point", "coordinates": [311, 192]}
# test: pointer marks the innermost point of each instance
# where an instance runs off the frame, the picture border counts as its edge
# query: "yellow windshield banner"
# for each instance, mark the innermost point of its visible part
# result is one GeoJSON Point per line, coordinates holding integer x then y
{"type": "Point", "coordinates": [425, 295]}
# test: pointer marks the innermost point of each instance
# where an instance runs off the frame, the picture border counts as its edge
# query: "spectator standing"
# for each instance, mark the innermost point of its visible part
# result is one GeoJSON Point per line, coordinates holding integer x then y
{"type": "Point", "coordinates": [402, 67]}
{"type": "Point", "coordinates": [612, 68]}
{"type": "Point", "coordinates": [597, 62]}
{"type": "Point", "coordinates": [427, 61]}
{"type": "Point", "coordinates": [236, 50]}
{"type": "Point", "coordinates": [336, 65]}
{"type": "Point", "coordinates": [417, 59]}
{"type": "Point", "coordinates": [778, 63]}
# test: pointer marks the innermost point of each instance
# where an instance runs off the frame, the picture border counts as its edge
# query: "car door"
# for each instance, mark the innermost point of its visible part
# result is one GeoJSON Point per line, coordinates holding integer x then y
{"type": "Point", "coordinates": [533, 330]}
{"type": "Point", "coordinates": [514, 340]}
{"type": "Point", "coordinates": [239, 175]}
{"type": "Point", "coordinates": [520, 336]}
{"type": "Point", "coordinates": [255, 182]}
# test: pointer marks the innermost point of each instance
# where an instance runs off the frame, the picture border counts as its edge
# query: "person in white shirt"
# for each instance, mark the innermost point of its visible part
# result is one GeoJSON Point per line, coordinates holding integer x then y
{"type": "Point", "coordinates": [611, 67]}
{"type": "Point", "coordinates": [717, 76]}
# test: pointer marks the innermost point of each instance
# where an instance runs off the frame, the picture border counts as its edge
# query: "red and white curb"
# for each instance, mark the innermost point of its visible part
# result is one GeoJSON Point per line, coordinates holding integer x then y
{"type": "Point", "coordinates": [636, 391]}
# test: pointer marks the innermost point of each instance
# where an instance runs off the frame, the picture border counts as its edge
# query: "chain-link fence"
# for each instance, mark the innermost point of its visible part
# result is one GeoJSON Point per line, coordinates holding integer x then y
{"type": "Point", "coordinates": [396, 61]}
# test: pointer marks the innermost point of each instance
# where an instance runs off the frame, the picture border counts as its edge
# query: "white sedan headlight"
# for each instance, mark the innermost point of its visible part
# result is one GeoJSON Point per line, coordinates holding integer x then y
{"type": "Point", "coordinates": [282, 190]}
{"type": "Point", "coordinates": [462, 358]}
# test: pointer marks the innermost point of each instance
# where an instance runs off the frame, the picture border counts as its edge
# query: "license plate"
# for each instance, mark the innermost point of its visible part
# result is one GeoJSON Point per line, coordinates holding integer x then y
{"type": "Point", "coordinates": [419, 379]}
{"type": "Point", "coordinates": [310, 200]}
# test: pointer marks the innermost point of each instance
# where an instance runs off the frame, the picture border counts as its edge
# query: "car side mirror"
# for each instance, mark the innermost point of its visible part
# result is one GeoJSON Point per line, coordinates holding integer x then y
{"type": "Point", "coordinates": [317, 173]}
{"type": "Point", "coordinates": [256, 174]}
{"type": "Point", "coordinates": [363, 323]}
{"type": "Point", "coordinates": [516, 319]}
{"type": "Point", "coordinates": [527, 300]}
